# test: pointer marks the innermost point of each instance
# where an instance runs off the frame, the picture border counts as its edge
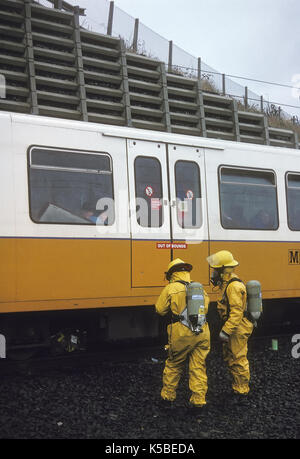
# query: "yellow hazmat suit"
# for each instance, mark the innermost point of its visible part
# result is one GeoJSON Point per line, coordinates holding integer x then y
{"type": "Point", "coordinates": [183, 343]}
{"type": "Point", "coordinates": [239, 328]}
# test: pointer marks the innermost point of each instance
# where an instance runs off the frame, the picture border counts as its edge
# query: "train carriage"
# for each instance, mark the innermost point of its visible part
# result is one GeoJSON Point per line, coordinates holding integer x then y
{"type": "Point", "coordinates": [92, 214]}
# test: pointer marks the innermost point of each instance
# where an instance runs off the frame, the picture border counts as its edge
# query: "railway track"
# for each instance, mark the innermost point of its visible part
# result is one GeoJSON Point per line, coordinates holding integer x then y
{"type": "Point", "coordinates": [79, 359]}
{"type": "Point", "coordinates": [44, 362]}
{"type": "Point", "coordinates": [84, 396]}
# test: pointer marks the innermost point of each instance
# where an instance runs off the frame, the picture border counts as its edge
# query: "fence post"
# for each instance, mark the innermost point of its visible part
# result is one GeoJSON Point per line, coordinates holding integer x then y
{"type": "Point", "coordinates": [279, 112]}
{"type": "Point", "coordinates": [223, 84]}
{"type": "Point", "coordinates": [201, 111]}
{"type": "Point", "coordinates": [110, 18]}
{"type": "Point", "coordinates": [135, 35]}
{"type": "Point", "coordinates": [262, 104]}
{"type": "Point", "coordinates": [246, 97]}
{"type": "Point", "coordinates": [170, 62]}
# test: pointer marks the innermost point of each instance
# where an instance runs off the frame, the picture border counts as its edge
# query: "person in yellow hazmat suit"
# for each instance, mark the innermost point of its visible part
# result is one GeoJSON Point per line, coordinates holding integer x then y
{"type": "Point", "coordinates": [183, 343]}
{"type": "Point", "coordinates": [237, 327]}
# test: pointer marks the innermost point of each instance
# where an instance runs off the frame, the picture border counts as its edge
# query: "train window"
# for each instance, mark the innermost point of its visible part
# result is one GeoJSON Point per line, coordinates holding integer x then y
{"type": "Point", "coordinates": [293, 200]}
{"type": "Point", "coordinates": [248, 199]}
{"type": "Point", "coordinates": [188, 194]}
{"type": "Point", "coordinates": [70, 187]}
{"type": "Point", "coordinates": [148, 192]}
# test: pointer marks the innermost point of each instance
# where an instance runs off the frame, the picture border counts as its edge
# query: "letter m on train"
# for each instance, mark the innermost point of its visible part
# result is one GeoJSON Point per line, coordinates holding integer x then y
{"type": "Point", "coordinates": [294, 257]}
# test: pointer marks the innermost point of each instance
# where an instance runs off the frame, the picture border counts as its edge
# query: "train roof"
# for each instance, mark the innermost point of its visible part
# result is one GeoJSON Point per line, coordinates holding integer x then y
{"type": "Point", "coordinates": [144, 134]}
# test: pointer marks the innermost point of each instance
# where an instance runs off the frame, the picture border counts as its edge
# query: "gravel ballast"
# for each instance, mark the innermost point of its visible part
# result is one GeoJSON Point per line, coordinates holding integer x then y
{"type": "Point", "coordinates": [114, 400]}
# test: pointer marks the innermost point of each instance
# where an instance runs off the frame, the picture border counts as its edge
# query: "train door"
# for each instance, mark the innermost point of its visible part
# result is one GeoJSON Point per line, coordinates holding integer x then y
{"type": "Point", "coordinates": [149, 212]}
{"type": "Point", "coordinates": [189, 229]}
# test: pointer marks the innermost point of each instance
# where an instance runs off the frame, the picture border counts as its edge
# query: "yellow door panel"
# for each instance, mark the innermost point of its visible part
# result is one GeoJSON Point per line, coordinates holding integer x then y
{"type": "Point", "coordinates": [149, 264]}
{"type": "Point", "coordinates": [195, 254]}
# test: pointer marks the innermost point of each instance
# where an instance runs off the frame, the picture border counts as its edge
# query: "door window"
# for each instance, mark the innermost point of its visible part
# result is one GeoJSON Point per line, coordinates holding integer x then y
{"type": "Point", "coordinates": [148, 192]}
{"type": "Point", "coordinates": [293, 200]}
{"type": "Point", "coordinates": [188, 194]}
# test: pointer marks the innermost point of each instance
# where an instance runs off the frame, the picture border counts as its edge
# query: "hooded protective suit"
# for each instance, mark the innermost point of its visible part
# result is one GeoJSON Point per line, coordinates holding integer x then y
{"type": "Point", "coordinates": [239, 328]}
{"type": "Point", "coordinates": [183, 343]}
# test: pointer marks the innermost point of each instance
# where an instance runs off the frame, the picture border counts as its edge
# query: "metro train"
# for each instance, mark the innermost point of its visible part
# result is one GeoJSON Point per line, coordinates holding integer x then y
{"type": "Point", "coordinates": [91, 215]}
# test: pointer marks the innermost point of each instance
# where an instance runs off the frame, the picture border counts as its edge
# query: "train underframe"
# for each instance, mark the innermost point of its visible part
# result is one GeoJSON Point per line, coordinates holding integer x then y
{"type": "Point", "coordinates": [60, 332]}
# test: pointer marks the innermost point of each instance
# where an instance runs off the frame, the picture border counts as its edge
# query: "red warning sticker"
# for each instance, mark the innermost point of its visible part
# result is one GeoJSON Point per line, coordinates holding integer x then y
{"type": "Point", "coordinates": [189, 194]}
{"type": "Point", "coordinates": [155, 204]}
{"type": "Point", "coordinates": [149, 191]}
{"type": "Point", "coordinates": [171, 245]}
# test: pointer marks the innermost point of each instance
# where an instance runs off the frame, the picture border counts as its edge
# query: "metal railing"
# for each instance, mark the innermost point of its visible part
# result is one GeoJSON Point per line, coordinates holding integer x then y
{"type": "Point", "coordinates": [140, 39]}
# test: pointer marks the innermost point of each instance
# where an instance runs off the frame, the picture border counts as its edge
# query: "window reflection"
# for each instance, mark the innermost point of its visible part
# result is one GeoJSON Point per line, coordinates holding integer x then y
{"type": "Point", "coordinates": [188, 194]}
{"type": "Point", "coordinates": [248, 199]}
{"type": "Point", "coordinates": [70, 187]}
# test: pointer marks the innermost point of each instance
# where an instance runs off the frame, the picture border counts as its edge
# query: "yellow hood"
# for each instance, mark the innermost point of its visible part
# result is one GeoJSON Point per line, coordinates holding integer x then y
{"type": "Point", "coordinates": [181, 275]}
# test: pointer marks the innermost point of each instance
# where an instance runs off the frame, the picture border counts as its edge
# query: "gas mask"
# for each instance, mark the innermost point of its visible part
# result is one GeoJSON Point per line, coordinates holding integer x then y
{"type": "Point", "coordinates": [216, 277]}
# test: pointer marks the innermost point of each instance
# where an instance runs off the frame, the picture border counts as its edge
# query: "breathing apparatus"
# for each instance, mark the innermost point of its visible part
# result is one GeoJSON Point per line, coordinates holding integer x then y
{"type": "Point", "coordinates": [254, 300]}
{"type": "Point", "coordinates": [223, 263]}
{"type": "Point", "coordinates": [193, 316]}
{"type": "Point", "coordinates": [216, 277]}
{"type": "Point", "coordinates": [194, 313]}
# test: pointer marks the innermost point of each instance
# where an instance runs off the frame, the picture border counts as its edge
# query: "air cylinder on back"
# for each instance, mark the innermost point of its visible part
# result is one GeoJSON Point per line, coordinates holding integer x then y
{"type": "Point", "coordinates": [195, 306]}
{"type": "Point", "coordinates": [254, 299]}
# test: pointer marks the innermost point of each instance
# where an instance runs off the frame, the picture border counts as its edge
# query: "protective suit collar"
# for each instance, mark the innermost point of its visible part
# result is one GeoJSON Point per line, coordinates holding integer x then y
{"type": "Point", "coordinates": [181, 275]}
{"type": "Point", "coordinates": [228, 276]}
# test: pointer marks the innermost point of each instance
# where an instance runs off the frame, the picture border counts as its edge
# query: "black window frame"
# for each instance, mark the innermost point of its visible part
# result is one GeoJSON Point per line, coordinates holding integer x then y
{"type": "Point", "coordinates": [286, 196]}
{"type": "Point", "coordinates": [200, 191]}
{"type": "Point", "coordinates": [162, 189]}
{"type": "Point", "coordinates": [70, 150]}
{"type": "Point", "coordinates": [235, 167]}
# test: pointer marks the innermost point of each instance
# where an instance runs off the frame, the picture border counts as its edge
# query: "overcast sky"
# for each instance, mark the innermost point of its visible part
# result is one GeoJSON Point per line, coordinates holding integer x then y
{"type": "Point", "coordinates": [258, 39]}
